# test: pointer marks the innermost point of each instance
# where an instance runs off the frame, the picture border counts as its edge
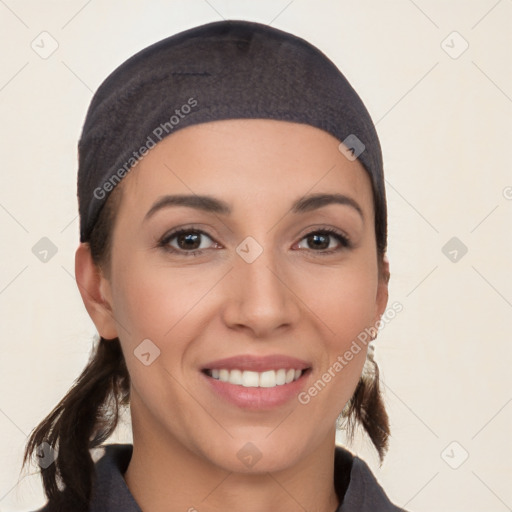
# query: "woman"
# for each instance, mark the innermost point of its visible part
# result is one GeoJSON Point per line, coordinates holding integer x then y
{"type": "Point", "coordinates": [232, 258]}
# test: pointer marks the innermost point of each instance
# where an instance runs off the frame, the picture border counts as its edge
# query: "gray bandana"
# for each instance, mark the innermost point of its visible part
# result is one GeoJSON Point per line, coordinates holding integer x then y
{"type": "Point", "coordinates": [222, 70]}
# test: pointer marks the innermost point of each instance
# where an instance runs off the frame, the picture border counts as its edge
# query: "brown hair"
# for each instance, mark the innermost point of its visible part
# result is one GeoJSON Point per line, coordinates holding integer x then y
{"type": "Point", "coordinates": [89, 412]}
{"type": "Point", "coordinates": [367, 408]}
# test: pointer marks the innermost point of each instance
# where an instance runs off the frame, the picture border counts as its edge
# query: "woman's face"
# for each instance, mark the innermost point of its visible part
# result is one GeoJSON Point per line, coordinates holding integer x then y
{"type": "Point", "coordinates": [251, 278]}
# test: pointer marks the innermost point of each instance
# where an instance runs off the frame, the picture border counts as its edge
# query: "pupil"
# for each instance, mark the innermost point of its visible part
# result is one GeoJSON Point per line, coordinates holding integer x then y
{"type": "Point", "coordinates": [189, 238]}
{"type": "Point", "coordinates": [320, 236]}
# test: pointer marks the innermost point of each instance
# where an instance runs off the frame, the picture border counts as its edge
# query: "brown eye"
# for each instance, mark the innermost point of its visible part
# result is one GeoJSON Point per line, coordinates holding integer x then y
{"type": "Point", "coordinates": [319, 241]}
{"type": "Point", "coordinates": [188, 241]}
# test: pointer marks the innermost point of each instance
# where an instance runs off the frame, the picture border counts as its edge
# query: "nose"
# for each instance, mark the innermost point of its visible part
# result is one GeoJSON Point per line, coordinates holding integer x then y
{"type": "Point", "coordinates": [260, 296]}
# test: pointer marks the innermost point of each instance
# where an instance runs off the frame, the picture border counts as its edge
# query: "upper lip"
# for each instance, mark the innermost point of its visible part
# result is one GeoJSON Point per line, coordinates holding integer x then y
{"type": "Point", "coordinates": [258, 363]}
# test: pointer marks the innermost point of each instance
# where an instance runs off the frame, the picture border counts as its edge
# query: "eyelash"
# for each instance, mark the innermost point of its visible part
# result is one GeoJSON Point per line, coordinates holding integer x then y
{"type": "Point", "coordinates": [164, 241]}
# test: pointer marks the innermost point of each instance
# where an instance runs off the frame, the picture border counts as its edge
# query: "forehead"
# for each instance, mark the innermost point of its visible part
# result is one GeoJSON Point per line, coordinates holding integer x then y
{"type": "Point", "coordinates": [241, 158]}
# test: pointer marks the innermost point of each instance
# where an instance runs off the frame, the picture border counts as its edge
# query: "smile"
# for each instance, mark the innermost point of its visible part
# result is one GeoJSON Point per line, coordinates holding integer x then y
{"type": "Point", "coordinates": [251, 379]}
{"type": "Point", "coordinates": [254, 381]}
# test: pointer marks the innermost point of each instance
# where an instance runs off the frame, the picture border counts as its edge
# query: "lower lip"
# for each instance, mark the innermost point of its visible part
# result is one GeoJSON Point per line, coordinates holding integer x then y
{"type": "Point", "coordinates": [257, 398]}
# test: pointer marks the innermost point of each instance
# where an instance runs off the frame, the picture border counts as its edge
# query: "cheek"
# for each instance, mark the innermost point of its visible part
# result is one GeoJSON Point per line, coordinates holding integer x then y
{"type": "Point", "coordinates": [162, 304]}
{"type": "Point", "coordinates": [344, 310]}
{"type": "Point", "coordinates": [343, 301]}
{"type": "Point", "coordinates": [150, 300]}
{"type": "Point", "coordinates": [152, 303]}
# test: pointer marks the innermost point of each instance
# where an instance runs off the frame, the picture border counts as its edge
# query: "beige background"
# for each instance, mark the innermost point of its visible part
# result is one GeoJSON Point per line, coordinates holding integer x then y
{"type": "Point", "coordinates": [445, 122]}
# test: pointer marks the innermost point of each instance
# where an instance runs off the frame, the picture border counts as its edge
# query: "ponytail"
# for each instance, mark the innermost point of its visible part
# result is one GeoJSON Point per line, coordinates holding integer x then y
{"type": "Point", "coordinates": [367, 408]}
{"type": "Point", "coordinates": [89, 413]}
{"type": "Point", "coordinates": [81, 421]}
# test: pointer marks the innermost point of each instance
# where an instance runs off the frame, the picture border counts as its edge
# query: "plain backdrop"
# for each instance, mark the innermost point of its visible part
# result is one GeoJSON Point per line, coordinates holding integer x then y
{"type": "Point", "coordinates": [436, 77]}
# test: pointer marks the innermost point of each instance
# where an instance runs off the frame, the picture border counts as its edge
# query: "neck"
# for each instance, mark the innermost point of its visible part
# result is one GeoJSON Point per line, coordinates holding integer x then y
{"type": "Point", "coordinates": [163, 475]}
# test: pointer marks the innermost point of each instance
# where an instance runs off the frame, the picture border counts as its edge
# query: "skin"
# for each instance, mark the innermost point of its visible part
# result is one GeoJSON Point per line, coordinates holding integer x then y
{"type": "Point", "coordinates": [291, 300]}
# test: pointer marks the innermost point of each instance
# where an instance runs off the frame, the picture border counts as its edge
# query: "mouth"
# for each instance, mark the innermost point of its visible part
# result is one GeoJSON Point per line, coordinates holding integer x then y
{"type": "Point", "coordinates": [251, 379]}
{"type": "Point", "coordinates": [258, 383]}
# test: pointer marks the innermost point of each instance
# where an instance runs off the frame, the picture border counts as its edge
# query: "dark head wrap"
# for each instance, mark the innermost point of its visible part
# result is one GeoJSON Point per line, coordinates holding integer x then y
{"type": "Point", "coordinates": [222, 70]}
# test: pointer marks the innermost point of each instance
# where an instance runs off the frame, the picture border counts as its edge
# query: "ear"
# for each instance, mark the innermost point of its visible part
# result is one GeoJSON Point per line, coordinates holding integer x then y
{"type": "Point", "coordinates": [382, 289]}
{"type": "Point", "coordinates": [95, 291]}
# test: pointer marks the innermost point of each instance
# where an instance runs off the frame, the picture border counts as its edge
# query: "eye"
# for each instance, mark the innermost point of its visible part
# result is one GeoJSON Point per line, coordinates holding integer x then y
{"type": "Point", "coordinates": [320, 240]}
{"type": "Point", "coordinates": [188, 241]}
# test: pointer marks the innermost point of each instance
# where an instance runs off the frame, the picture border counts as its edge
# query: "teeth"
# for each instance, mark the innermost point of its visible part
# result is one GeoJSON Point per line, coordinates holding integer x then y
{"type": "Point", "coordinates": [268, 379]}
{"type": "Point", "coordinates": [280, 377]}
{"type": "Point", "coordinates": [236, 377]}
{"type": "Point", "coordinates": [249, 379]}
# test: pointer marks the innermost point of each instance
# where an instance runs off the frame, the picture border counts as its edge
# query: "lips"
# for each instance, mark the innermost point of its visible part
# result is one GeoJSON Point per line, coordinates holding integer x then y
{"type": "Point", "coordinates": [257, 382]}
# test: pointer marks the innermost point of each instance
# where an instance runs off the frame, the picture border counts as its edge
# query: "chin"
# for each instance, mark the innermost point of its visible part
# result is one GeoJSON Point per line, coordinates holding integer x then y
{"type": "Point", "coordinates": [254, 454]}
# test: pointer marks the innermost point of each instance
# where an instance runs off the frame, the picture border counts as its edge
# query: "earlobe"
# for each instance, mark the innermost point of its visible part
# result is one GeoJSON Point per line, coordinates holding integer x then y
{"type": "Point", "coordinates": [94, 287]}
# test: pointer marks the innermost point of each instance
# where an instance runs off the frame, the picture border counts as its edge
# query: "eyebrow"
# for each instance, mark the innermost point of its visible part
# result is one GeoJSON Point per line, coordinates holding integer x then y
{"type": "Point", "coordinates": [213, 205]}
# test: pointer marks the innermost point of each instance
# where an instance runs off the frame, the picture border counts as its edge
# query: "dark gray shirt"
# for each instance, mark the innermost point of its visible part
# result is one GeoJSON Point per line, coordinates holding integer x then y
{"type": "Point", "coordinates": [359, 493]}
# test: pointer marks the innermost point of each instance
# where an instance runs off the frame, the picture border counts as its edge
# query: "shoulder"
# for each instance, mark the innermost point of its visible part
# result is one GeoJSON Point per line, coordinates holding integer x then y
{"type": "Point", "coordinates": [110, 492]}
{"type": "Point", "coordinates": [364, 493]}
